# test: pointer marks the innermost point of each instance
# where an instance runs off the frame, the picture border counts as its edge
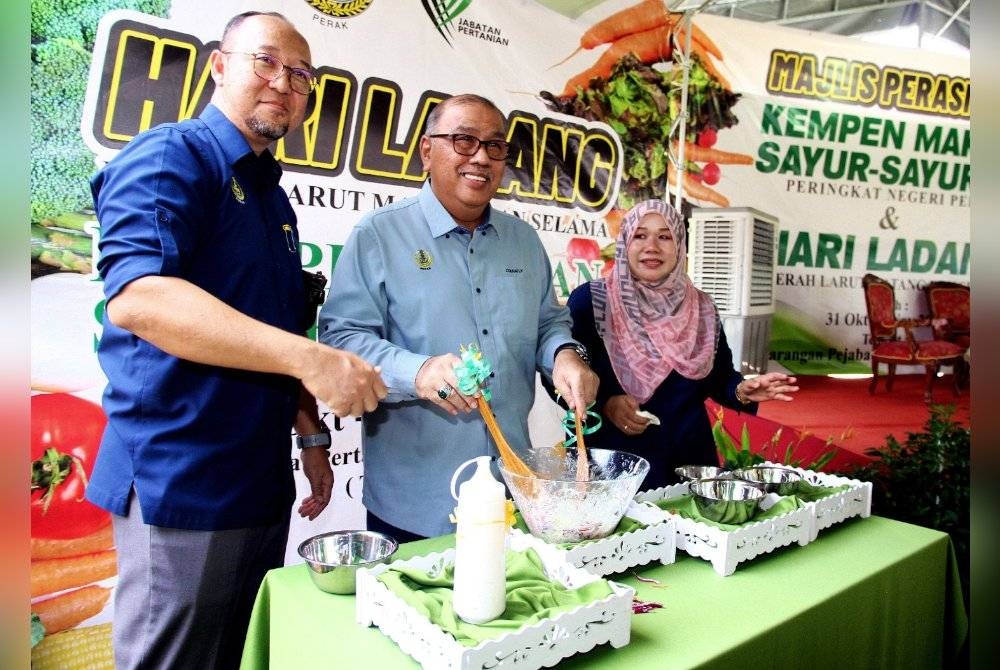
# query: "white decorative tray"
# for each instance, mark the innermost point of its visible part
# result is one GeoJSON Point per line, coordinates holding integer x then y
{"type": "Point", "coordinates": [726, 549]}
{"type": "Point", "coordinates": [853, 501]}
{"type": "Point", "coordinates": [542, 644]}
{"type": "Point", "coordinates": [616, 553]}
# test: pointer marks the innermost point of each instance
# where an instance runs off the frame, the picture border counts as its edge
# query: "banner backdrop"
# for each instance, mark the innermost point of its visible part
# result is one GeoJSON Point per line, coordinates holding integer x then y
{"type": "Point", "coordinates": [861, 152]}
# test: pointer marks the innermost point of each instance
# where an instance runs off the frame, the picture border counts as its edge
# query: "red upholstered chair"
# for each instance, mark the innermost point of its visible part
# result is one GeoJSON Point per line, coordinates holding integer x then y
{"type": "Point", "coordinates": [892, 350]}
{"type": "Point", "coordinates": [948, 303]}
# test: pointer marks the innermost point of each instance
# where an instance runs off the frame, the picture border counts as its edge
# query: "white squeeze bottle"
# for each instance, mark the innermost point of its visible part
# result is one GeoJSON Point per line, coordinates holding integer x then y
{"type": "Point", "coordinates": [480, 593]}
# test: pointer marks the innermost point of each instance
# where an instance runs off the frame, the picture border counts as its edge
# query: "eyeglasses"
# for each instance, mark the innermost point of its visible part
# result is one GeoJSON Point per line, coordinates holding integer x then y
{"type": "Point", "coordinates": [267, 67]}
{"type": "Point", "coordinates": [468, 145]}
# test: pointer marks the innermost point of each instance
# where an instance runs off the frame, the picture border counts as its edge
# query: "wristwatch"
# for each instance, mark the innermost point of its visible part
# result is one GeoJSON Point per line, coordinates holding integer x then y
{"type": "Point", "coordinates": [580, 350]}
{"type": "Point", "coordinates": [317, 440]}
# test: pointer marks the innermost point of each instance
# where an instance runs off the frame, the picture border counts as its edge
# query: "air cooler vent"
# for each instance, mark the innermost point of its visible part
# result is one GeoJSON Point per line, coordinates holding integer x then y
{"type": "Point", "coordinates": [731, 256]}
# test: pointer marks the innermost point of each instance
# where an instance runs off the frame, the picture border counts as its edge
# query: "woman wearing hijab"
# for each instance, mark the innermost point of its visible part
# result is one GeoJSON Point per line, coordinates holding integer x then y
{"type": "Point", "coordinates": [657, 344]}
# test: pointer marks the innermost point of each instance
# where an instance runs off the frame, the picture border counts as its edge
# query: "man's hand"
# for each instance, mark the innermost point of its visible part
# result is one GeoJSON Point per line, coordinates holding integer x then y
{"type": "Point", "coordinates": [574, 380]}
{"type": "Point", "coordinates": [316, 466]}
{"type": "Point", "coordinates": [343, 381]}
{"type": "Point", "coordinates": [437, 374]}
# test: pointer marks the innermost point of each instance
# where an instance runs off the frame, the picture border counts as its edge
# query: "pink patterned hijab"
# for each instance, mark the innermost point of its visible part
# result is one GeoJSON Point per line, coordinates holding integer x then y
{"type": "Point", "coordinates": [651, 329]}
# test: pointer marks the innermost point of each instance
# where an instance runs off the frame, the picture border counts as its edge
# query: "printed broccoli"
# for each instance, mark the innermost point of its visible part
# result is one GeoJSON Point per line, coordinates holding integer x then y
{"type": "Point", "coordinates": [62, 44]}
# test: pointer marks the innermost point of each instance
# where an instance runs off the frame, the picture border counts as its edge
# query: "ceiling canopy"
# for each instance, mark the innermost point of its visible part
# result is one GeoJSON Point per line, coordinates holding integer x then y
{"type": "Point", "coordinates": [948, 19]}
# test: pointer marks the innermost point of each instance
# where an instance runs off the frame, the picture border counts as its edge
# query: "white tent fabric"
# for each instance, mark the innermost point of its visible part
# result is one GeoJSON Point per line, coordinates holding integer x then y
{"type": "Point", "coordinates": [933, 18]}
{"type": "Point", "coordinates": [948, 19]}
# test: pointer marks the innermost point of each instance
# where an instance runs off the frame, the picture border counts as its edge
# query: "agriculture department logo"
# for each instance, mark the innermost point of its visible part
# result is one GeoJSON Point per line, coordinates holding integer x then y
{"type": "Point", "coordinates": [341, 8]}
{"type": "Point", "coordinates": [443, 12]}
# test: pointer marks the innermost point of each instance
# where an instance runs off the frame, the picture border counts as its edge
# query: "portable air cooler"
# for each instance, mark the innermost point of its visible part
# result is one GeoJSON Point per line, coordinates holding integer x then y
{"type": "Point", "coordinates": [731, 256]}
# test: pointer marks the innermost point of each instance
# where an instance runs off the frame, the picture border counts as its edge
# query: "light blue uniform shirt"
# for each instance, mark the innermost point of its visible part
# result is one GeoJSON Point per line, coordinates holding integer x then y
{"type": "Point", "coordinates": [410, 284]}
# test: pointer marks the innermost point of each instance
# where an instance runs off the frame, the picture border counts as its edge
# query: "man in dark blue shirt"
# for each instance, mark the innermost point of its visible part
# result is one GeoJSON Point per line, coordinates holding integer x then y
{"type": "Point", "coordinates": [206, 363]}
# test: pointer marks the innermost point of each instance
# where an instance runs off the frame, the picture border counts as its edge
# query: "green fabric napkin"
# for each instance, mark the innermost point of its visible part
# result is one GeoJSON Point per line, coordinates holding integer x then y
{"type": "Point", "coordinates": [626, 525]}
{"type": "Point", "coordinates": [687, 508]}
{"type": "Point", "coordinates": [531, 597]}
{"type": "Point", "coordinates": [807, 492]}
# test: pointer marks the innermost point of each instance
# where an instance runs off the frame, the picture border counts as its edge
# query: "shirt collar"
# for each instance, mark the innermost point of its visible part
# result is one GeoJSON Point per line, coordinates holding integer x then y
{"type": "Point", "coordinates": [440, 221]}
{"type": "Point", "coordinates": [237, 150]}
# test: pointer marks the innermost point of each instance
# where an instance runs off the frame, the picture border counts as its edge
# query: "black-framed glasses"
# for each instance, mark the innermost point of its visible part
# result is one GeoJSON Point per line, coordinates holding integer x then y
{"type": "Point", "coordinates": [468, 145]}
{"type": "Point", "coordinates": [301, 80]}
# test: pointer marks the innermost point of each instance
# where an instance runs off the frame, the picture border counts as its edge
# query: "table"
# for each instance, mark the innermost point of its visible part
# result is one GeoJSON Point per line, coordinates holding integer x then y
{"type": "Point", "coordinates": [868, 593]}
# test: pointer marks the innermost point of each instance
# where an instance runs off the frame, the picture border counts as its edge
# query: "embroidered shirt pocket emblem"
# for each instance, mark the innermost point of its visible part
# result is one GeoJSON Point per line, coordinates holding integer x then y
{"type": "Point", "coordinates": [423, 259]}
{"type": "Point", "coordinates": [238, 191]}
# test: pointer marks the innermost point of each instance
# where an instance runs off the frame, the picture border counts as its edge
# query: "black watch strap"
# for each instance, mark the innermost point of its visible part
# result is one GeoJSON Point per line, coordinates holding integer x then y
{"type": "Point", "coordinates": [580, 350]}
{"type": "Point", "coordinates": [317, 440]}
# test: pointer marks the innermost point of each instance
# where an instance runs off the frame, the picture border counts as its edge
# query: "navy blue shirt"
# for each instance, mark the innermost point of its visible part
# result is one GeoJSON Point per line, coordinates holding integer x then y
{"type": "Point", "coordinates": [684, 436]}
{"type": "Point", "coordinates": [206, 448]}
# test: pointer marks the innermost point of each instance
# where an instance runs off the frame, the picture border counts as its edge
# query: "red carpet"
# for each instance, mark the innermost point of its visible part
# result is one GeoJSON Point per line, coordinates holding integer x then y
{"type": "Point", "coordinates": [840, 414]}
{"type": "Point", "coordinates": [844, 410]}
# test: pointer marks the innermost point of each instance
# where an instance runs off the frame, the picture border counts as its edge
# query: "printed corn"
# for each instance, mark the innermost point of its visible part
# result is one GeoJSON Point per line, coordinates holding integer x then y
{"type": "Point", "coordinates": [87, 648]}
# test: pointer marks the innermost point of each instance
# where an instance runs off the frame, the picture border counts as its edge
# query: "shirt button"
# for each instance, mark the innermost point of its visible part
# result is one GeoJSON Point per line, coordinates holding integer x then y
{"type": "Point", "coordinates": [472, 251]}
{"type": "Point", "coordinates": [485, 332]}
{"type": "Point", "coordinates": [479, 290]}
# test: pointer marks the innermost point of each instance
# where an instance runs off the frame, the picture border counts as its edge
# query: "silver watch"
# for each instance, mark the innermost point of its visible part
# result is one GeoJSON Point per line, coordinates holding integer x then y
{"type": "Point", "coordinates": [317, 440]}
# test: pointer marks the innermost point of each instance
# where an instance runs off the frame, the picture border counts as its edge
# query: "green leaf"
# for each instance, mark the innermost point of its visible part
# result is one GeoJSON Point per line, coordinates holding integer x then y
{"type": "Point", "coordinates": [37, 629]}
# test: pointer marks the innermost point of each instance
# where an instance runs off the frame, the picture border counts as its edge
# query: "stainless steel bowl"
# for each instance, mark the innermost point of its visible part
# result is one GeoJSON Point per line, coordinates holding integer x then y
{"type": "Point", "coordinates": [334, 558]}
{"type": "Point", "coordinates": [688, 473]}
{"type": "Point", "coordinates": [773, 479]}
{"type": "Point", "coordinates": [730, 501]}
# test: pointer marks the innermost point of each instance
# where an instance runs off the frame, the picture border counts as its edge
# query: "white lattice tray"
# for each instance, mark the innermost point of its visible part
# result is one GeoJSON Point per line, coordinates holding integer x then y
{"type": "Point", "coordinates": [542, 644]}
{"type": "Point", "coordinates": [726, 549]}
{"type": "Point", "coordinates": [856, 500]}
{"type": "Point", "coordinates": [616, 553]}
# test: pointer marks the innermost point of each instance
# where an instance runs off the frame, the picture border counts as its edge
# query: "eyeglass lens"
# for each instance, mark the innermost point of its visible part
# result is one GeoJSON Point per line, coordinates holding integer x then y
{"type": "Point", "coordinates": [268, 67]}
{"type": "Point", "coordinates": [468, 145]}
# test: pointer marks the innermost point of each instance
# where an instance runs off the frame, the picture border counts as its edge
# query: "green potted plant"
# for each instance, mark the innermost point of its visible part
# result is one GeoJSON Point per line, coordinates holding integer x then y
{"type": "Point", "coordinates": [924, 480]}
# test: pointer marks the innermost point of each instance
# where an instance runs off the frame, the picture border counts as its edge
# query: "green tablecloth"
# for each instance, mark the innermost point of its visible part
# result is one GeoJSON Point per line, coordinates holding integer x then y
{"type": "Point", "coordinates": [867, 593]}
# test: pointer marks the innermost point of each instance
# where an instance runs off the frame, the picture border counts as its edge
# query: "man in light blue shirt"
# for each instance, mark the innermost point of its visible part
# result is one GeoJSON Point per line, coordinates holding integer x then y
{"type": "Point", "coordinates": [422, 277]}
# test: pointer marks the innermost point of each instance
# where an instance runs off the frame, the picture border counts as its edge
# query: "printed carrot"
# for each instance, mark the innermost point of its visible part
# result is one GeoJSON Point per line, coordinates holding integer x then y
{"type": "Point", "coordinates": [700, 38]}
{"type": "Point", "coordinates": [649, 46]}
{"type": "Point", "coordinates": [637, 18]}
{"type": "Point", "coordinates": [42, 548]}
{"type": "Point", "coordinates": [71, 608]}
{"type": "Point", "coordinates": [695, 189]}
{"type": "Point", "coordinates": [58, 574]}
{"type": "Point", "coordinates": [700, 154]}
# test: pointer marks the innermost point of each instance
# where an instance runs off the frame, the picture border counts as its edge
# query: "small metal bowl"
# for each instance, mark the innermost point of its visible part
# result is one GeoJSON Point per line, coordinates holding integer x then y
{"type": "Point", "coordinates": [334, 558]}
{"type": "Point", "coordinates": [773, 479]}
{"type": "Point", "coordinates": [729, 501]}
{"type": "Point", "coordinates": [689, 473]}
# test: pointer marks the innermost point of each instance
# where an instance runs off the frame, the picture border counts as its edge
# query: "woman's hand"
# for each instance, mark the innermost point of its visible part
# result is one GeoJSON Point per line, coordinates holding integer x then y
{"type": "Point", "coordinates": [770, 386]}
{"type": "Point", "coordinates": [621, 411]}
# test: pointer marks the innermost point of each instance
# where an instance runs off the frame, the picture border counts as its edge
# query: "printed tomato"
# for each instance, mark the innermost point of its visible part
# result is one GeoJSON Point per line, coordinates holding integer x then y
{"type": "Point", "coordinates": [707, 137]}
{"type": "Point", "coordinates": [583, 249]}
{"type": "Point", "coordinates": [710, 173]}
{"type": "Point", "coordinates": [608, 256]}
{"type": "Point", "coordinates": [65, 433]}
